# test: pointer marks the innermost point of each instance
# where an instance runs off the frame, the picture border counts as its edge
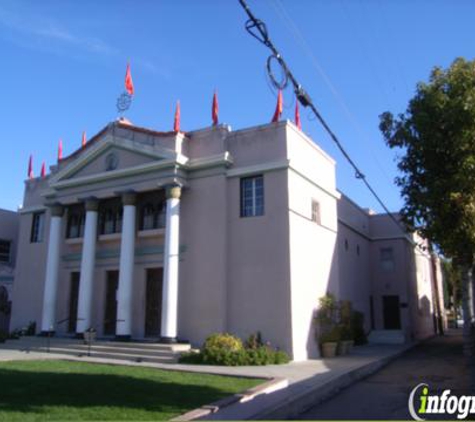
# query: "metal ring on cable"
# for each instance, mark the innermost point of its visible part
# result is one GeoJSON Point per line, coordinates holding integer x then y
{"type": "Point", "coordinates": [283, 82]}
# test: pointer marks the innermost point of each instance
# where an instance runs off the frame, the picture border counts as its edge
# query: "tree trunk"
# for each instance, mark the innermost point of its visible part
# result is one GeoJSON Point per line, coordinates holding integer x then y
{"type": "Point", "coordinates": [435, 293]}
{"type": "Point", "coordinates": [468, 322]}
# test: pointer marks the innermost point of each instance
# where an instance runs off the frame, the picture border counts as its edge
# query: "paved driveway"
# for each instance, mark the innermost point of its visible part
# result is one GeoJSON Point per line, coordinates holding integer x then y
{"type": "Point", "coordinates": [438, 362]}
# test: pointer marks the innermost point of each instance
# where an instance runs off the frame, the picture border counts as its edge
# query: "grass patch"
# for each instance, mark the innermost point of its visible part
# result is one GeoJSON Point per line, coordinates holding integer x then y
{"type": "Point", "coordinates": [63, 390]}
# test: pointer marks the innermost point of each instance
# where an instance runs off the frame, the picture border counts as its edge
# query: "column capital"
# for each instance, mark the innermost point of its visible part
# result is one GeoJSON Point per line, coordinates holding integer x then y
{"type": "Point", "coordinates": [173, 192]}
{"type": "Point", "coordinates": [129, 198]}
{"type": "Point", "coordinates": [91, 204]}
{"type": "Point", "coordinates": [57, 210]}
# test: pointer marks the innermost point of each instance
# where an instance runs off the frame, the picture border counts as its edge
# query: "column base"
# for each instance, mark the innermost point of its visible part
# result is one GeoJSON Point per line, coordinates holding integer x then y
{"type": "Point", "coordinates": [46, 334]}
{"type": "Point", "coordinates": [167, 340]}
{"type": "Point", "coordinates": [123, 337]}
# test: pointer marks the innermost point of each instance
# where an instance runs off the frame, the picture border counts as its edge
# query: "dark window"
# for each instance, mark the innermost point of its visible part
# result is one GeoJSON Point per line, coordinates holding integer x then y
{"type": "Point", "coordinates": [358, 250]}
{"type": "Point", "coordinates": [316, 212]}
{"type": "Point", "coordinates": [346, 244]}
{"type": "Point", "coordinates": [153, 215]}
{"type": "Point", "coordinates": [252, 196]}
{"type": "Point", "coordinates": [5, 246]}
{"type": "Point", "coordinates": [386, 259]}
{"type": "Point", "coordinates": [76, 219]}
{"type": "Point", "coordinates": [37, 227]}
{"type": "Point", "coordinates": [110, 218]}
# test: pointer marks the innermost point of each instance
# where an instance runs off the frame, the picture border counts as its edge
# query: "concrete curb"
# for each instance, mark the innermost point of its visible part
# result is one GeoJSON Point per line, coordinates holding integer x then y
{"type": "Point", "coordinates": [297, 403]}
{"type": "Point", "coordinates": [234, 400]}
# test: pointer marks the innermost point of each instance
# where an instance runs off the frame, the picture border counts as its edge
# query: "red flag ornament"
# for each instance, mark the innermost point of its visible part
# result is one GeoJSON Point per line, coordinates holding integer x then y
{"type": "Point", "coordinates": [84, 140]}
{"type": "Point", "coordinates": [129, 84]}
{"type": "Point", "coordinates": [279, 107]}
{"type": "Point", "coordinates": [176, 123]}
{"type": "Point", "coordinates": [215, 109]}
{"type": "Point", "coordinates": [60, 150]}
{"type": "Point", "coordinates": [298, 123]}
{"type": "Point", "coordinates": [43, 170]}
{"type": "Point", "coordinates": [30, 167]}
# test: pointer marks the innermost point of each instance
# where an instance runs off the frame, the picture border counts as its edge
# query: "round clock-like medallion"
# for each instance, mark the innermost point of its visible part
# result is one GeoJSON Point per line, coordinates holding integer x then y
{"type": "Point", "coordinates": [112, 161]}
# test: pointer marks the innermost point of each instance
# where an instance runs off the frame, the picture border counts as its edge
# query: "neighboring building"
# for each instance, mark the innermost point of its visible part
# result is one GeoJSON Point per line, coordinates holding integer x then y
{"type": "Point", "coordinates": [8, 245]}
{"type": "Point", "coordinates": [179, 235]}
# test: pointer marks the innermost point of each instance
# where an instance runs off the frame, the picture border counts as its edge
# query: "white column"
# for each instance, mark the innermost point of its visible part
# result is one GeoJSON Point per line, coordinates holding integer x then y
{"type": "Point", "coordinates": [127, 255]}
{"type": "Point", "coordinates": [48, 320]}
{"type": "Point", "coordinates": [87, 267]}
{"type": "Point", "coordinates": [170, 266]}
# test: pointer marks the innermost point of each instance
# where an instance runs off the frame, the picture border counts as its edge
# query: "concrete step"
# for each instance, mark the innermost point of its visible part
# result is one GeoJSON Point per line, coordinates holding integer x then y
{"type": "Point", "coordinates": [132, 351]}
{"type": "Point", "coordinates": [171, 358]}
{"type": "Point", "coordinates": [386, 337]}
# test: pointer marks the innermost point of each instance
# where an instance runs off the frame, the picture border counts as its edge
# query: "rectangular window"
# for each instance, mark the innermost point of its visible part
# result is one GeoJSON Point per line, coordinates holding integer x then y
{"type": "Point", "coordinates": [5, 246]}
{"type": "Point", "coordinates": [316, 212]}
{"type": "Point", "coordinates": [76, 220]}
{"type": "Point", "coordinates": [252, 196]}
{"type": "Point", "coordinates": [387, 259]}
{"type": "Point", "coordinates": [37, 227]}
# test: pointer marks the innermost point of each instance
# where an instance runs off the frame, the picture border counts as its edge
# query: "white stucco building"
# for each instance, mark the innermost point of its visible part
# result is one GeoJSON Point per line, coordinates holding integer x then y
{"type": "Point", "coordinates": [178, 235]}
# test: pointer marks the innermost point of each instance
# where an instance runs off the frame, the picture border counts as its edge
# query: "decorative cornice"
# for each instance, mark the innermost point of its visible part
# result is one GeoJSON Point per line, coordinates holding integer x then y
{"type": "Point", "coordinates": [110, 142]}
{"type": "Point", "coordinates": [223, 159]}
{"type": "Point", "coordinates": [258, 168]}
{"type": "Point", "coordinates": [30, 210]}
{"type": "Point", "coordinates": [117, 174]}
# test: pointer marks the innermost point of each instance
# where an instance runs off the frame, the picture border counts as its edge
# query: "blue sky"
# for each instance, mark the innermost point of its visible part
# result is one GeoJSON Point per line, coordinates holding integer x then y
{"type": "Point", "coordinates": [63, 65]}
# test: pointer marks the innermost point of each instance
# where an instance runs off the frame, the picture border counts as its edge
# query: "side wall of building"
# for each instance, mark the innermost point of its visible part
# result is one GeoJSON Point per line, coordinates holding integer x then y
{"type": "Point", "coordinates": [313, 250]}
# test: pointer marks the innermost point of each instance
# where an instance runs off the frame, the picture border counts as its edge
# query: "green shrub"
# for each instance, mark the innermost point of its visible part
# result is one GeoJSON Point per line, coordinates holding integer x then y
{"type": "Point", "coordinates": [227, 350]}
{"type": "Point", "coordinates": [223, 342]}
{"type": "Point", "coordinates": [331, 336]}
{"type": "Point", "coordinates": [254, 341]}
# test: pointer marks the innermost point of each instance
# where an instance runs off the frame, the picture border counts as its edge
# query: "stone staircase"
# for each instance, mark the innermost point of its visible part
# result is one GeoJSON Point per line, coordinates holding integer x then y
{"type": "Point", "coordinates": [132, 351]}
{"type": "Point", "coordinates": [386, 337]}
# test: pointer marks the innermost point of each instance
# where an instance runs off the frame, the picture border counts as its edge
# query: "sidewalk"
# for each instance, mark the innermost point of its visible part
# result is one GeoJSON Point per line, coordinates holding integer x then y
{"type": "Point", "coordinates": [308, 382]}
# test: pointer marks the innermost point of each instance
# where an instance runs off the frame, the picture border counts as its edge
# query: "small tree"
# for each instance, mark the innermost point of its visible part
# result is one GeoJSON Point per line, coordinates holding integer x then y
{"type": "Point", "coordinates": [436, 138]}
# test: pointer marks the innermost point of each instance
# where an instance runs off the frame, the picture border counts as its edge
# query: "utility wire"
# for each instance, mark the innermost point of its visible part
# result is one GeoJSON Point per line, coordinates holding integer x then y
{"type": "Point", "coordinates": [258, 29]}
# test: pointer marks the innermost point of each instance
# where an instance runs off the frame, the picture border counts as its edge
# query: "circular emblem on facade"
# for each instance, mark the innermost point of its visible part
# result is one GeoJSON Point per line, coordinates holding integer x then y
{"type": "Point", "coordinates": [112, 161]}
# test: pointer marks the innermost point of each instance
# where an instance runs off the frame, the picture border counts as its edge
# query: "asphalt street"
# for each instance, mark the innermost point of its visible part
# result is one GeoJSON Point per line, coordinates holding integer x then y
{"type": "Point", "coordinates": [439, 362]}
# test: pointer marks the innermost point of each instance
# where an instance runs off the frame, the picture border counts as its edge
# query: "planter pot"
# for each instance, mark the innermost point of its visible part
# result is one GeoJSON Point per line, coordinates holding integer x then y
{"type": "Point", "coordinates": [89, 337]}
{"type": "Point", "coordinates": [341, 348]}
{"type": "Point", "coordinates": [329, 350]}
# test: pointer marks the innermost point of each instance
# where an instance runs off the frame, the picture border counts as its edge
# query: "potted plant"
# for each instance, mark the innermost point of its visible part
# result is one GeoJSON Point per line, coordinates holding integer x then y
{"type": "Point", "coordinates": [329, 342]}
{"type": "Point", "coordinates": [89, 335]}
{"type": "Point", "coordinates": [346, 340]}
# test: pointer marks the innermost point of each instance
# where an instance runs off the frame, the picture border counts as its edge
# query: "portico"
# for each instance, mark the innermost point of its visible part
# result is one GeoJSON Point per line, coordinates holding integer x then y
{"type": "Point", "coordinates": [110, 246]}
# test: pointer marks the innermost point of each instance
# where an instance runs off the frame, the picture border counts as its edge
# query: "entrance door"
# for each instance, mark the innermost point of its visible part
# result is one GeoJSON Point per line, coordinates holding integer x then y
{"type": "Point", "coordinates": [110, 317]}
{"type": "Point", "coordinates": [391, 313]}
{"type": "Point", "coordinates": [73, 302]}
{"type": "Point", "coordinates": [153, 302]}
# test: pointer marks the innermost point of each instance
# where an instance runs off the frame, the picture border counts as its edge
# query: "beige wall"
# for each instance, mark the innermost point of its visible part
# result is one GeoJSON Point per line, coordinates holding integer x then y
{"type": "Point", "coordinates": [239, 275]}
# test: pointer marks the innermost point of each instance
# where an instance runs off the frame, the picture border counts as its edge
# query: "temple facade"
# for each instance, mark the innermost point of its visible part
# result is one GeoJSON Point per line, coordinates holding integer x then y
{"type": "Point", "coordinates": [174, 236]}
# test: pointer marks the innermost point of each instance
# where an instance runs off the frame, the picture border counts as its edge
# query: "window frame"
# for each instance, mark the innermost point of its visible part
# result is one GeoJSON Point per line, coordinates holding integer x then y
{"type": "Point", "coordinates": [37, 227]}
{"type": "Point", "coordinates": [386, 258]}
{"type": "Point", "coordinates": [316, 214]}
{"type": "Point", "coordinates": [252, 196]}
{"type": "Point", "coordinates": [8, 254]}
{"type": "Point", "coordinates": [76, 230]}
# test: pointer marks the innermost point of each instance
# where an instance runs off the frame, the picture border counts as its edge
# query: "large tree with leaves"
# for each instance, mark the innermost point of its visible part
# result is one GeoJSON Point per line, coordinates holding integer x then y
{"type": "Point", "coordinates": [436, 142]}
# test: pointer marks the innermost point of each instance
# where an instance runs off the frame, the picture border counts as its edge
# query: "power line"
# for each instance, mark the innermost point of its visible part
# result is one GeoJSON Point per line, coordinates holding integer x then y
{"type": "Point", "coordinates": [258, 29]}
{"type": "Point", "coordinates": [284, 15]}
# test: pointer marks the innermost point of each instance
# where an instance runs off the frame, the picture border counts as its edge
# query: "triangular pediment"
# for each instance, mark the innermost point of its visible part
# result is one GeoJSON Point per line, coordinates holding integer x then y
{"type": "Point", "coordinates": [111, 155]}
